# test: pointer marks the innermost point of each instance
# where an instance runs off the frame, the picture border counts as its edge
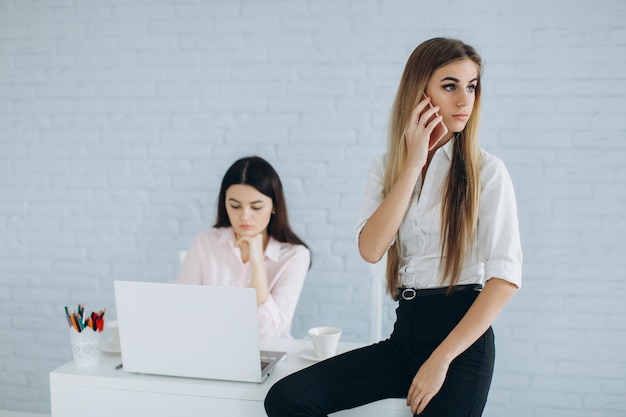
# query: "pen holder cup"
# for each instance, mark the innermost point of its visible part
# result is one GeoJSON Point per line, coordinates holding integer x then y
{"type": "Point", "coordinates": [85, 347]}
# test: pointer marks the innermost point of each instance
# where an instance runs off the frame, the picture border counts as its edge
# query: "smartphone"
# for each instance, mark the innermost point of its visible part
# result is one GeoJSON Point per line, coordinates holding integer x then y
{"type": "Point", "coordinates": [439, 131]}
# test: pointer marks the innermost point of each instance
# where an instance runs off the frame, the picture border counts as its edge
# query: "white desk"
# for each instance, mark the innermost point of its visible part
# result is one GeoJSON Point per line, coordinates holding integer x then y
{"type": "Point", "coordinates": [102, 391]}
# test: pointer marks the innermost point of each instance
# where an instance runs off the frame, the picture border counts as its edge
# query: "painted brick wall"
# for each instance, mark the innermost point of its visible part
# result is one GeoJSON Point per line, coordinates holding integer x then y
{"type": "Point", "coordinates": [118, 118]}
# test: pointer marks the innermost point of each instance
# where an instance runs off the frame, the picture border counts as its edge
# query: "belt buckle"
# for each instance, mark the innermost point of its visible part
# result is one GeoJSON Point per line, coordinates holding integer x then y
{"type": "Point", "coordinates": [408, 294]}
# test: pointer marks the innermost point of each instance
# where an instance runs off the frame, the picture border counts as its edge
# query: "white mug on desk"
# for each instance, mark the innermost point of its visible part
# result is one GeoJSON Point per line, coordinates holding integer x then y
{"type": "Point", "coordinates": [324, 340]}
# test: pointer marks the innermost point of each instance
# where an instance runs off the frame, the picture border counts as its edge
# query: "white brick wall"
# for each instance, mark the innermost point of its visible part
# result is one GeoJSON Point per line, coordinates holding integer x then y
{"type": "Point", "coordinates": [118, 118]}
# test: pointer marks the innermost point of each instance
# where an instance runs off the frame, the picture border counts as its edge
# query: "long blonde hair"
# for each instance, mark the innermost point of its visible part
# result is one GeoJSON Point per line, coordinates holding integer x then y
{"type": "Point", "coordinates": [459, 212]}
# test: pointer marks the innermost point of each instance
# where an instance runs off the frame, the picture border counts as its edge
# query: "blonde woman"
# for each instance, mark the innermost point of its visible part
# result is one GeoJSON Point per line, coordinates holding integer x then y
{"type": "Point", "coordinates": [444, 211]}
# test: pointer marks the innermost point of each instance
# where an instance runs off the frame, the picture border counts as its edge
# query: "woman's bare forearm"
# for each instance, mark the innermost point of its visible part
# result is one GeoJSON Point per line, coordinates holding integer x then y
{"type": "Point", "coordinates": [483, 312]}
{"type": "Point", "coordinates": [382, 226]}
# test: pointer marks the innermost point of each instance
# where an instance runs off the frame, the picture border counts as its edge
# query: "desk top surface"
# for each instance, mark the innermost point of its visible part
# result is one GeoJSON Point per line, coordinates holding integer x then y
{"type": "Point", "coordinates": [106, 376]}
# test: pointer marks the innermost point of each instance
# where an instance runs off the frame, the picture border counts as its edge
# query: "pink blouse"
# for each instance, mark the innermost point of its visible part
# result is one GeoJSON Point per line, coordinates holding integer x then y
{"type": "Point", "coordinates": [213, 259]}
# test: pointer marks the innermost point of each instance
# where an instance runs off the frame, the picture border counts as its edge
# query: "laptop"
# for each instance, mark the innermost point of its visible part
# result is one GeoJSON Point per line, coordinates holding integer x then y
{"type": "Point", "coordinates": [194, 331]}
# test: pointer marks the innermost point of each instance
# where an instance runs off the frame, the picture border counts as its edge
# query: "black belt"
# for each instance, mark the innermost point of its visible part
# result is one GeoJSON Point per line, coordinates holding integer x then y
{"type": "Point", "coordinates": [408, 294]}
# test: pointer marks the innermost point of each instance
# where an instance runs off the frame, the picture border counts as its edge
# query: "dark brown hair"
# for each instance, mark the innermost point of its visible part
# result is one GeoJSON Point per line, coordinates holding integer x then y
{"type": "Point", "coordinates": [258, 173]}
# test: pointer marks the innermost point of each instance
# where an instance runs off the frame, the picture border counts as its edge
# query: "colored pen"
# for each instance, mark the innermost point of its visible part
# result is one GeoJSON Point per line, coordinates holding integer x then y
{"type": "Point", "coordinates": [79, 320]}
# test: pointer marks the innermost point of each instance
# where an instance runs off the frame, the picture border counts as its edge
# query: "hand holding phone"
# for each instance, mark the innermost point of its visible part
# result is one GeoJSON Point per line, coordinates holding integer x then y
{"type": "Point", "coordinates": [439, 131]}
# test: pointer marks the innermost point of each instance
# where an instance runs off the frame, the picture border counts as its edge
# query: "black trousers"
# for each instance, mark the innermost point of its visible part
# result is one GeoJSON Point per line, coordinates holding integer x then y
{"type": "Point", "coordinates": [386, 369]}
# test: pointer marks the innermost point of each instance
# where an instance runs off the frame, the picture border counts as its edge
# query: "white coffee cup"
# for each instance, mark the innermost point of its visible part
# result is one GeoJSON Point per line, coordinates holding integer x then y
{"type": "Point", "coordinates": [324, 340]}
{"type": "Point", "coordinates": [112, 328]}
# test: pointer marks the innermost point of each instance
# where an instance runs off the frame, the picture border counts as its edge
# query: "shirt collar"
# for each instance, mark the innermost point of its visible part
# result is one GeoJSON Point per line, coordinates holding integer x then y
{"type": "Point", "coordinates": [448, 147]}
{"type": "Point", "coordinates": [272, 251]}
{"type": "Point", "coordinates": [226, 236]}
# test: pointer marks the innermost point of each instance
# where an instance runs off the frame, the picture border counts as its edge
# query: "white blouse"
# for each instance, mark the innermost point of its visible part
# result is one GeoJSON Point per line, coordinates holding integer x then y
{"type": "Point", "coordinates": [496, 252]}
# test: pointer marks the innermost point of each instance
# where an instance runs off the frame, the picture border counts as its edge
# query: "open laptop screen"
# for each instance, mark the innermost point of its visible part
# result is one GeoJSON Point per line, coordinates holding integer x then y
{"type": "Point", "coordinates": [189, 330]}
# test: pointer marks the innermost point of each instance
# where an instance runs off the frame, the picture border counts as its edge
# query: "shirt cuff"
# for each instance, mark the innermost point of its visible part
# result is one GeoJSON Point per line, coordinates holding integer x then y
{"type": "Point", "coordinates": [506, 270]}
{"type": "Point", "coordinates": [270, 317]}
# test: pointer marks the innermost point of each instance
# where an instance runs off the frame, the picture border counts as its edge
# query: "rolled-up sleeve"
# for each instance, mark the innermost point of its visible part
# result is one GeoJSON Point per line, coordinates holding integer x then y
{"type": "Point", "coordinates": [499, 243]}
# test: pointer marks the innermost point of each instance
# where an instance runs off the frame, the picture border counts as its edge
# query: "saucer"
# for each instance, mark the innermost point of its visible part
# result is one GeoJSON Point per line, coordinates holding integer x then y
{"type": "Point", "coordinates": [309, 354]}
{"type": "Point", "coordinates": [108, 346]}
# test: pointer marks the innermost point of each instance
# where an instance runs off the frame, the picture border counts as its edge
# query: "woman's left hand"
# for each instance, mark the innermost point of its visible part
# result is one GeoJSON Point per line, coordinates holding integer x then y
{"type": "Point", "coordinates": [426, 384]}
{"type": "Point", "coordinates": [254, 246]}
